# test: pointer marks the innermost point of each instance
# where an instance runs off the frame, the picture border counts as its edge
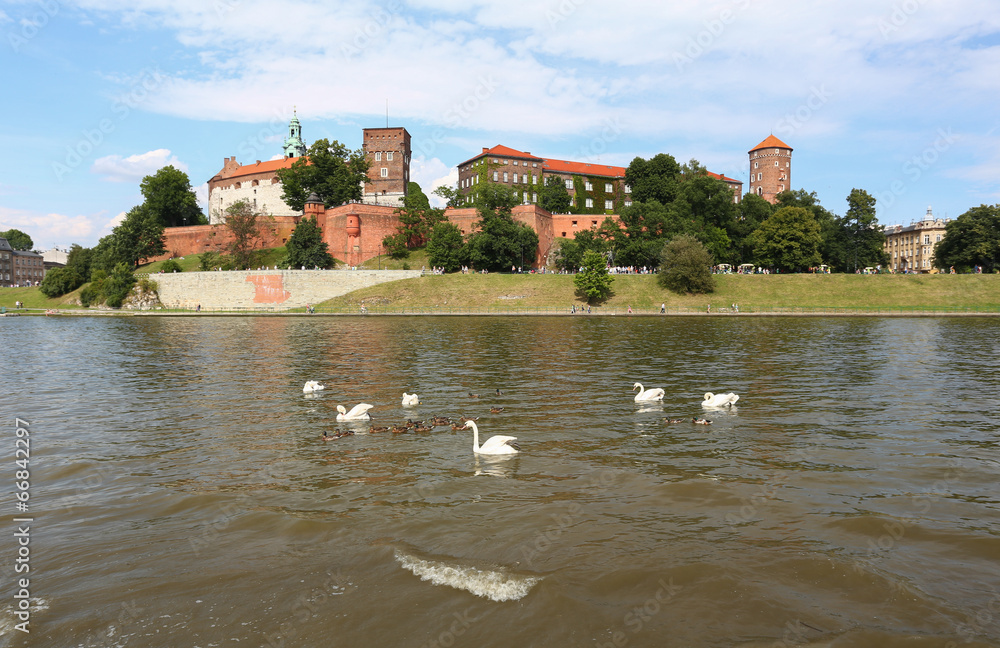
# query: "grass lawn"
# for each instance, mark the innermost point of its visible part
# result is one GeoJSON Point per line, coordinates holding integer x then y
{"type": "Point", "coordinates": [641, 292]}
{"type": "Point", "coordinates": [33, 298]}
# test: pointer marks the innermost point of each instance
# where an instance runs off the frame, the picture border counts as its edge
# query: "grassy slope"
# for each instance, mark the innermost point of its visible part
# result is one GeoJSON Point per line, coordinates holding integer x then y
{"type": "Point", "coordinates": [751, 292]}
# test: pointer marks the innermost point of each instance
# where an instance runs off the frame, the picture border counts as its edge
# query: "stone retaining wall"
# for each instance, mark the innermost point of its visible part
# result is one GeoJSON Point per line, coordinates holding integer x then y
{"type": "Point", "coordinates": [266, 289]}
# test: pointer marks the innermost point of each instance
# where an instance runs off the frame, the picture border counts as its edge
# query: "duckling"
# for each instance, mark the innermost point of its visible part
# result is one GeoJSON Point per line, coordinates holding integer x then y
{"type": "Point", "coordinates": [670, 421]}
{"type": "Point", "coordinates": [456, 426]}
{"type": "Point", "coordinates": [400, 429]}
{"type": "Point", "coordinates": [701, 421]}
{"type": "Point", "coordinates": [410, 423]}
{"type": "Point", "coordinates": [378, 428]}
{"type": "Point", "coordinates": [440, 420]}
{"type": "Point", "coordinates": [496, 410]}
{"type": "Point", "coordinates": [422, 428]}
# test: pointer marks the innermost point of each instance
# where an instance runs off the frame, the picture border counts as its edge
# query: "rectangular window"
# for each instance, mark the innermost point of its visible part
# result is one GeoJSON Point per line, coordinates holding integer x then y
{"type": "Point", "coordinates": [628, 189]}
{"type": "Point", "coordinates": [609, 204]}
{"type": "Point", "coordinates": [385, 172]}
{"type": "Point", "coordinates": [534, 179]}
{"type": "Point", "coordinates": [534, 197]}
{"type": "Point", "coordinates": [927, 239]}
{"type": "Point", "coordinates": [494, 176]}
{"type": "Point", "coordinates": [569, 184]}
{"type": "Point", "coordinates": [589, 186]}
{"type": "Point", "coordinates": [590, 203]}
{"type": "Point", "coordinates": [608, 187]}
{"type": "Point", "coordinates": [628, 203]}
{"type": "Point", "coordinates": [388, 156]}
{"type": "Point", "coordinates": [378, 156]}
{"type": "Point", "coordinates": [534, 165]}
{"type": "Point", "coordinates": [524, 197]}
{"type": "Point", "coordinates": [505, 176]}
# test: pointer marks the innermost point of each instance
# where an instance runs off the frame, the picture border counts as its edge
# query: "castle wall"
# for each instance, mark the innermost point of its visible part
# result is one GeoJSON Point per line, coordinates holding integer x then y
{"type": "Point", "coordinates": [266, 289]}
{"type": "Point", "coordinates": [195, 239]}
{"type": "Point", "coordinates": [262, 190]}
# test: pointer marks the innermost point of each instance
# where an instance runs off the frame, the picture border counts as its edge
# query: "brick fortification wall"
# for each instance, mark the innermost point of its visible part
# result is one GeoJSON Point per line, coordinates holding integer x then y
{"type": "Point", "coordinates": [266, 289]}
{"type": "Point", "coordinates": [181, 241]}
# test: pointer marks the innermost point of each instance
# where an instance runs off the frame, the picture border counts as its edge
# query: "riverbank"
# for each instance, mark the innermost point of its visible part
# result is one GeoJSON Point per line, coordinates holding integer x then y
{"type": "Point", "coordinates": [550, 294]}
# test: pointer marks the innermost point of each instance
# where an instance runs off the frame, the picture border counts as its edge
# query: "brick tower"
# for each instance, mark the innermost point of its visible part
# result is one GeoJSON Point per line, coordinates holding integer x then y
{"type": "Point", "coordinates": [770, 168]}
{"type": "Point", "coordinates": [388, 154]}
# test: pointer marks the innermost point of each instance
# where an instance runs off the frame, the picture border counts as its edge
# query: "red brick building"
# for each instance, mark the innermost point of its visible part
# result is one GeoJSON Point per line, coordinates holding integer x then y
{"type": "Point", "coordinates": [770, 168]}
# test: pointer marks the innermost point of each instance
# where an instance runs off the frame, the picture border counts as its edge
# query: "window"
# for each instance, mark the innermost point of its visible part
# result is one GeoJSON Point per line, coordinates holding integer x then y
{"type": "Point", "coordinates": [755, 165]}
{"type": "Point", "coordinates": [505, 176]}
{"type": "Point", "coordinates": [628, 203]}
{"type": "Point", "coordinates": [590, 203]}
{"type": "Point", "coordinates": [385, 172]}
{"type": "Point", "coordinates": [608, 188]}
{"type": "Point", "coordinates": [938, 240]}
{"type": "Point", "coordinates": [534, 197]}
{"type": "Point", "coordinates": [759, 176]}
{"type": "Point", "coordinates": [515, 162]}
{"type": "Point", "coordinates": [534, 179]}
{"type": "Point", "coordinates": [927, 239]}
{"type": "Point", "coordinates": [569, 184]}
{"type": "Point", "coordinates": [628, 189]}
{"type": "Point", "coordinates": [388, 156]}
{"type": "Point", "coordinates": [593, 223]}
{"type": "Point", "coordinates": [775, 163]}
{"type": "Point", "coordinates": [609, 204]}
{"type": "Point", "coordinates": [378, 156]}
{"type": "Point", "coordinates": [515, 178]}
{"type": "Point", "coordinates": [534, 165]}
{"type": "Point", "coordinates": [574, 223]}
{"type": "Point", "coordinates": [495, 176]}
{"type": "Point", "coordinates": [589, 186]}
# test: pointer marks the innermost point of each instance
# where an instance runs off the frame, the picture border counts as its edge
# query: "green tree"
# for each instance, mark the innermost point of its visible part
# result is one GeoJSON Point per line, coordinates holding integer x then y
{"type": "Point", "coordinates": [416, 199]}
{"type": "Point", "coordinates": [306, 247]}
{"type": "Point", "coordinates": [570, 255]}
{"type": "Point", "coordinates": [594, 282]}
{"type": "Point", "coordinates": [118, 285]}
{"type": "Point", "coordinates": [334, 172]}
{"type": "Point", "coordinates": [135, 239]}
{"type": "Point", "coordinates": [751, 212]}
{"type": "Point", "coordinates": [414, 229]}
{"type": "Point", "coordinates": [861, 242]}
{"type": "Point", "coordinates": [686, 266]}
{"type": "Point", "coordinates": [830, 231]}
{"type": "Point", "coordinates": [246, 224]}
{"type": "Point", "coordinates": [170, 199]}
{"type": "Point", "coordinates": [18, 240]}
{"type": "Point", "coordinates": [80, 259]}
{"type": "Point", "coordinates": [553, 197]}
{"type": "Point", "coordinates": [653, 179]}
{"type": "Point", "coordinates": [451, 195]}
{"type": "Point", "coordinates": [499, 242]}
{"type": "Point", "coordinates": [59, 281]}
{"type": "Point", "coordinates": [444, 249]}
{"type": "Point", "coordinates": [789, 240]}
{"type": "Point", "coordinates": [971, 239]}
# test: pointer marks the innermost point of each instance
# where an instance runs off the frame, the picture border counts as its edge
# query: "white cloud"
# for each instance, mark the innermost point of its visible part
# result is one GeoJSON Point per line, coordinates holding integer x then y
{"type": "Point", "coordinates": [134, 168]}
{"type": "Point", "coordinates": [4, 18]}
{"type": "Point", "coordinates": [48, 229]}
{"type": "Point", "coordinates": [431, 174]}
{"type": "Point", "coordinates": [201, 191]}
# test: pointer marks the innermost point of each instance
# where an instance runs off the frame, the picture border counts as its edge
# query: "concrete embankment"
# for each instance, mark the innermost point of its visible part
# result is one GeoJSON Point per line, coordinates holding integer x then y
{"type": "Point", "coordinates": [266, 289]}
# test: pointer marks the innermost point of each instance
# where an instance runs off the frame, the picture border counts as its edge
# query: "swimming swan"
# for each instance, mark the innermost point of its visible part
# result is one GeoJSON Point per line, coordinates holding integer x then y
{"type": "Point", "coordinates": [719, 400]}
{"type": "Point", "coordinates": [647, 394]}
{"type": "Point", "coordinates": [410, 400]}
{"type": "Point", "coordinates": [358, 413]}
{"type": "Point", "coordinates": [312, 386]}
{"type": "Point", "coordinates": [495, 445]}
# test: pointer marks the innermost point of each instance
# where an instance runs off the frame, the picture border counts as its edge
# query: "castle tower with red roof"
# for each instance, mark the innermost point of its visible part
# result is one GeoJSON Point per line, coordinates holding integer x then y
{"type": "Point", "coordinates": [770, 168]}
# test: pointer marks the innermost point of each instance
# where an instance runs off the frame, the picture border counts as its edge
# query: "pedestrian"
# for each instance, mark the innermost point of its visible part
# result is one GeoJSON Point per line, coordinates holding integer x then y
{"type": "Point", "coordinates": [197, 308]}
{"type": "Point", "coordinates": [630, 309]}
{"type": "Point", "coordinates": [709, 309]}
{"type": "Point", "coordinates": [663, 308]}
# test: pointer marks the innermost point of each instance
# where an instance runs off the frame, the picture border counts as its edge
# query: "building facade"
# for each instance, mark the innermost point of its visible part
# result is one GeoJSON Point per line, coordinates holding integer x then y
{"type": "Point", "coordinates": [387, 150]}
{"type": "Point", "coordinates": [770, 168]}
{"type": "Point", "coordinates": [593, 188]}
{"type": "Point", "coordinates": [19, 268]}
{"type": "Point", "coordinates": [388, 154]}
{"type": "Point", "coordinates": [911, 247]}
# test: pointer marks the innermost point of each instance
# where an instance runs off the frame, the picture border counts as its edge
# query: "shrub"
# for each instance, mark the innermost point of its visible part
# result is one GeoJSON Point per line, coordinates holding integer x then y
{"type": "Point", "coordinates": [686, 266]}
{"type": "Point", "coordinates": [170, 266]}
{"type": "Point", "coordinates": [59, 281]}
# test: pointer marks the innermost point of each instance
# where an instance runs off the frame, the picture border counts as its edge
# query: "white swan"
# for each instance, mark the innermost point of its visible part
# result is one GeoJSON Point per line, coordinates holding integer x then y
{"type": "Point", "coordinates": [358, 413]}
{"type": "Point", "coordinates": [410, 400]}
{"type": "Point", "coordinates": [312, 386]}
{"type": "Point", "coordinates": [719, 400]}
{"type": "Point", "coordinates": [647, 394]}
{"type": "Point", "coordinates": [495, 445]}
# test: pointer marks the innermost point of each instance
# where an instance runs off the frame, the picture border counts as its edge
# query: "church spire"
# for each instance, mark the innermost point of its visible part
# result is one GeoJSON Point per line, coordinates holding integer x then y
{"type": "Point", "coordinates": [293, 145]}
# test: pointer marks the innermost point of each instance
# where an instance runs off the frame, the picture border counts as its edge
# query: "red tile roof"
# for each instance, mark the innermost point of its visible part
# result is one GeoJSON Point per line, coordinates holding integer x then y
{"type": "Point", "coordinates": [770, 142]}
{"type": "Point", "coordinates": [503, 151]}
{"type": "Point", "coordinates": [722, 177]}
{"type": "Point", "coordinates": [264, 167]}
{"type": "Point", "coordinates": [584, 168]}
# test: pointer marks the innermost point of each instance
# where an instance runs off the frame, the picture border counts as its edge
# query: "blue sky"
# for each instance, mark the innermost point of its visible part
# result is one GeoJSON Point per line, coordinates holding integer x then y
{"type": "Point", "coordinates": [898, 98]}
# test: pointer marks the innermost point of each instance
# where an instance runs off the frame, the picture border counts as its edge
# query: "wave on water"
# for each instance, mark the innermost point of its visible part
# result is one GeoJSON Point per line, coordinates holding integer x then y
{"type": "Point", "coordinates": [9, 621]}
{"type": "Point", "coordinates": [495, 585]}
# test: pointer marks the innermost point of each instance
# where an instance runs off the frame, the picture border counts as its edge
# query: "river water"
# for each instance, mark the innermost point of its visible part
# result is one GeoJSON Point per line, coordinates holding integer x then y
{"type": "Point", "coordinates": [181, 494]}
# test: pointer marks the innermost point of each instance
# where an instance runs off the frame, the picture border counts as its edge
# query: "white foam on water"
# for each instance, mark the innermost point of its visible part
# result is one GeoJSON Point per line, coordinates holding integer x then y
{"type": "Point", "coordinates": [492, 584]}
{"type": "Point", "coordinates": [8, 620]}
